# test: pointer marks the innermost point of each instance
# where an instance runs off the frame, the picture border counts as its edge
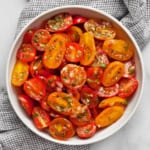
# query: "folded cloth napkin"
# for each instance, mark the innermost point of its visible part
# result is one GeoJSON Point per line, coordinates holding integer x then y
{"type": "Point", "coordinates": [134, 14]}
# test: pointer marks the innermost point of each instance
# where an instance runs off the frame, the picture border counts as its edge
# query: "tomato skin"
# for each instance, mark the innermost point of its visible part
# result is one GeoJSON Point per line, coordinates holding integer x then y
{"type": "Point", "coordinates": [127, 87]}
{"type": "Point", "coordinates": [86, 131]}
{"type": "Point", "coordinates": [74, 52]}
{"type": "Point", "coordinates": [81, 116]}
{"type": "Point", "coordinates": [73, 76]}
{"type": "Point", "coordinates": [118, 49]}
{"type": "Point", "coordinates": [108, 91]}
{"type": "Point", "coordinates": [89, 97]}
{"type": "Point", "coordinates": [79, 19]}
{"type": "Point", "coordinates": [61, 128]}
{"type": "Point", "coordinates": [59, 23]}
{"type": "Point", "coordinates": [75, 93]}
{"type": "Point", "coordinates": [35, 88]}
{"type": "Point", "coordinates": [28, 36]}
{"type": "Point", "coordinates": [40, 117]}
{"type": "Point", "coordinates": [26, 103]}
{"type": "Point", "coordinates": [55, 51]}
{"type": "Point", "coordinates": [94, 77]}
{"type": "Point", "coordinates": [113, 73]}
{"type": "Point", "coordinates": [26, 53]}
{"type": "Point", "coordinates": [20, 73]}
{"type": "Point", "coordinates": [40, 39]}
{"type": "Point", "coordinates": [44, 104]}
{"type": "Point", "coordinates": [88, 44]}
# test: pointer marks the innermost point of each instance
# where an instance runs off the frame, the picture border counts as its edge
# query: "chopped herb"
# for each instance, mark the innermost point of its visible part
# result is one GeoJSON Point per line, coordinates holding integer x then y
{"type": "Point", "coordinates": [103, 66]}
{"type": "Point", "coordinates": [35, 115]}
{"type": "Point", "coordinates": [87, 130]}
{"type": "Point", "coordinates": [66, 97]}
{"type": "Point", "coordinates": [131, 70]}
{"type": "Point", "coordinates": [126, 47]}
{"type": "Point", "coordinates": [73, 84]}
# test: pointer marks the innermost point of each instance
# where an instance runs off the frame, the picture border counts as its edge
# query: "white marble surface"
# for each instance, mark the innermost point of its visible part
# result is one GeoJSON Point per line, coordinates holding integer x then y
{"type": "Point", "coordinates": [134, 135]}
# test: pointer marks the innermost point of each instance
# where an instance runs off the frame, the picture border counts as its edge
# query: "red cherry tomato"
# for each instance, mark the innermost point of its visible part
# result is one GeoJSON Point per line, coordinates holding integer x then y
{"type": "Point", "coordinates": [74, 52]}
{"type": "Point", "coordinates": [26, 53]}
{"type": "Point", "coordinates": [86, 131]}
{"type": "Point", "coordinates": [73, 76]}
{"type": "Point", "coordinates": [35, 88]}
{"type": "Point", "coordinates": [108, 91]}
{"type": "Point", "coordinates": [28, 36]}
{"type": "Point", "coordinates": [59, 23]}
{"type": "Point", "coordinates": [26, 103]}
{"type": "Point", "coordinates": [79, 19]}
{"type": "Point", "coordinates": [89, 97]}
{"type": "Point", "coordinates": [81, 116]}
{"type": "Point", "coordinates": [61, 128]}
{"type": "Point", "coordinates": [40, 117]}
{"type": "Point", "coordinates": [75, 93]}
{"type": "Point", "coordinates": [127, 87]}
{"type": "Point", "coordinates": [44, 104]}
{"type": "Point", "coordinates": [40, 39]}
{"type": "Point", "coordinates": [94, 77]}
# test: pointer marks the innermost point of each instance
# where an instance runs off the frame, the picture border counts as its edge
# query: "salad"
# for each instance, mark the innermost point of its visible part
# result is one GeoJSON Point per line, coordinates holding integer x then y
{"type": "Point", "coordinates": [76, 77]}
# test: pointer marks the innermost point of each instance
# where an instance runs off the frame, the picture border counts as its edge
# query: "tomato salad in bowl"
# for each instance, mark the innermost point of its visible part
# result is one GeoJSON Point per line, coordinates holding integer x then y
{"type": "Point", "coordinates": [75, 75]}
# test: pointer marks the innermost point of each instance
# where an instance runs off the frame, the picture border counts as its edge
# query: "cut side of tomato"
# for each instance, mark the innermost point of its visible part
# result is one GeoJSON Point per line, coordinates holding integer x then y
{"type": "Point", "coordinates": [40, 39]}
{"type": "Point", "coordinates": [86, 131]}
{"type": "Point", "coordinates": [40, 117]}
{"type": "Point", "coordinates": [59, 23]}
{"type": "Point", "coordinates": [44, 104]}
{"type": "Point", "coordinates": [61, 128]}
{"type": "Point", "coordinates": [35, 88]}
{"type": "Point", "coordinates": [108, 91]}
{"type": "Point", "coordinates": [94, 77]}
{"type": "Point", "coordinates": [26, 53]}
{"type": "Point", "coordinates": [28, 36]}
{"type": "Point", "coordinates": [127, 87]}
{"type": "Point", "coordinates": [73, 76]}
{"type": "Point", "coordinates": [74, 52]}
{"type": "Point", "coordinates": [26, 103]}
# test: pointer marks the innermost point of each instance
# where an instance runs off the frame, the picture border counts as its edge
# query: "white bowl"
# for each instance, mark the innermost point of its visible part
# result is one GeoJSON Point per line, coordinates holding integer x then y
{"type": "Point", "coordinates": [121, 31]}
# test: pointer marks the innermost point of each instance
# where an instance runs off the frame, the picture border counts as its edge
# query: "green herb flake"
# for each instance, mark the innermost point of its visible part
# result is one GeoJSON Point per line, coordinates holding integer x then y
{"type": "Point", "coordinates": [35, 115]}
{"type": "Point", "coordinates": [103, 66]}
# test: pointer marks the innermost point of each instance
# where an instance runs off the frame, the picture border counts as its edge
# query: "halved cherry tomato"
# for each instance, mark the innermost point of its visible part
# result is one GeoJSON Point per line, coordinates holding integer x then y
{"type": "Point", "coordinates": [26, 53]}
{"type": "Point", "coordinates": [109, 116]}
{"type": "Point", "coordinates": [94, 111]}
{"type": "Point", "coordinates": [67, 37]}
{"type": "Point", "coordinates": [118, 49]}
{"type": "Point", "coordinates": [40, 39]}
{"type": "Point", "coordinates": [89, 97]}
{"type": "Point", "coordinates": [88, 44]}
{"type": "Point", "coordinates": [61, 128]}
{"type": "Point", "coordinates": [101, 29]}
{"type": "Point", "coordinates": [74, 33]}
{"type": "Point", "coordinates": [55, 51]}
{"type": "Point", "coordinates": [81, 116]}
{"type": "Point", "coordinates": [127, 87]}
{"type": "Point", "coordinates": [59, 23]}
{"type": "Point", "coordinates": [108, 91]}
{"type": "Point", "coordinates": [94, 77]}
{"type": "Point", "coordinates": [26, 103]}
{"type": "Point", "coordinates": [53, 83]}
{"type": "Point", "coordinates": [20, 73]}
{"type": "Point", "coordinates": [44, 104]}
{"type": "Point", "coordinates": [113, 101]}
{"type": "Point", "coordinates": [73, 92]}
{"type": "Point", "coordinates": [62, 102]}
{"type": "Point", "coordinates": [113, 73]}
{"type": "Point", "coordinates": [74, 52]}
{"type": "Point", "coordinates": [35, 88]}
{"type": "Point", "coordinates": [86, 131]}
{"type": "Point", "coordinates": [73, 76]}
{"type": "Point", "coordinates": [129, 69]}
{"type": "Point", "coordinates": [28, 36]}
{"type": "Point", "coordinates": [53, 114]}
{"type": "Point", "coordinates": [40, 117]}
{"type": "Point", "coordinates": [79, 19]}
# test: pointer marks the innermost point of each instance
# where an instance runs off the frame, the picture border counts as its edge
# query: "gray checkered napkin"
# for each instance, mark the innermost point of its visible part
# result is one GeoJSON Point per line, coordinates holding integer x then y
{"type": "Point", "coordinates": [134, 14]}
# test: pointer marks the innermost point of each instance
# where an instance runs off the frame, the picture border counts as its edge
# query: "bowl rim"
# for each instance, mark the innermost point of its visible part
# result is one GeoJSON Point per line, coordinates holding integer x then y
{"type": "Point", "coordinates": [8, 86]}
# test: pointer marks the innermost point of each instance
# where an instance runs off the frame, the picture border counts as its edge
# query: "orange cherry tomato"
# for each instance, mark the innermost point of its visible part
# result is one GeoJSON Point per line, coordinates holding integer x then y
{"type": "Point", "coordinates": [113, 73]}
{"type": "Point", "coordinates": [73, 76]}
{"type": "Point", "coordinates": [88, 44]}
{"type": "Point", "coordinates": [20, 73]}
{"type": "Point", "coordinates": [55, 51]}
{"type": "Point", "coordinates": [74, 33]}
{"type": "Point", "coordinates": [62, 102]}
{"type": "Point", "coordinates": [118, 49]}
{"type": "Point", "coordinates": [109, 116]}
{"type": "Point", "coordinates": [40, 117]}
{"type": "Point", "coordinates": [101, 29]}
{"type": "Point", "coordinates": [61, 129]}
